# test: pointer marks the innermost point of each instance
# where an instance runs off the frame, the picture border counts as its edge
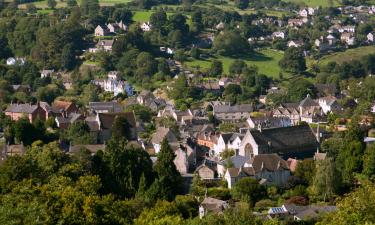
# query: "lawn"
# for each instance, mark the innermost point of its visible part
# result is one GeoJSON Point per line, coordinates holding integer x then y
{"type": "Point", "coordinates": [267, 60]}
{"type": "Point", "coordinates": [315, 3]}
{"type": "Point", "coordinates": [348, 55]}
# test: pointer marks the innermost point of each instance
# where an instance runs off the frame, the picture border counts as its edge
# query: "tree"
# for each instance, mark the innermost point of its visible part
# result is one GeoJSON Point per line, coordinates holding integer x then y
{"type": "Point", "coordinates": [247, 190]}
{"type": "Point", "coordinates": [122, 14]}
{"type": "Point", "coordinates": [216, 68]}
{"type": "Point", "coordinates": [325, 182]}
{"type": "Point", "coordinates": [24, 131]}
{"type": "Point", "coordinates": [146, 65]}
{"type": "Point", "coordinates": [230, 43]}
{"type": "Point", "coordinates": [158, 19]}
{"type": "Point", "coordinates": [169, 178]}
{"type": "Point", "coordinates": [357, 207]}
{"type": "Point", "coordinates": [305, 170]}
{"type": "Point", "coordinates": [78, 133]}
{"type": "Point", "coordinates": [68, 59]}
{"type": "Point", "coordinates": [31, 8]}
{"type": "Point", "coordinates": [195, 53]}
{"type": "Point", "coordinates": [299, 88]}
{"type": "Point", "coordinates": [51, 3]}
{"type": "Point", "coordinates": [163, 212]}
{"type": "Point", "coordinates": [237, 67]}
{"type": "Point", "coordinates": [293, 61]}
{"type": "Point", "coordinates": [121, 128]}
{"type": "Point", "coordinates": [369, 161]}
{"type": "Point", "coordinates": [242, 4]}
{"type": "Point", "coordinates": [125, 165]}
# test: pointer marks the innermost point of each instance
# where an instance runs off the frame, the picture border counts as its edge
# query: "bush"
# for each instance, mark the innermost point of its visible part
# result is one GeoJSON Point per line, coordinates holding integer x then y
{"type": "Point", "coordinates": [264, 204]}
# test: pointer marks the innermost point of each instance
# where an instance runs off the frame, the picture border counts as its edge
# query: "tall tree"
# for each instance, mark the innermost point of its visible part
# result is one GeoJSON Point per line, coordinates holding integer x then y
{"type": "Point", "coordinates": [325, 183]}
{"type": "Point", "coordinates": [68, 59]}
{"type": "Point", "coordinates": [169, 180]}
{"type": "Point", "coordinates": [293, 60]}
{"type": "Point", "coordinates": [216, 68]}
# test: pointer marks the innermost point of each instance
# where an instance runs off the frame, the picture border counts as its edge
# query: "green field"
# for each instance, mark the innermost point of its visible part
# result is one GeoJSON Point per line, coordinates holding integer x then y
{"type": "Point", "coordinates": [347, 55]}
{"type": "Point", "coordinates": [267, 60]}
{"type": "Point", "coordinates": [60, 4]}
{"type": "Point", "coordinates": [315, 3]}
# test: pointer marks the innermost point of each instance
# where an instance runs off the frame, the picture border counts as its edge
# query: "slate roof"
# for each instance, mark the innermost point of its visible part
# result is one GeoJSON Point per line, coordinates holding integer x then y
{"type": "Point", "coordinates": [21, 108]}
{"type": "Point", "coordinates": [213, 205]}
{"type": "Point", "coordinates": [161, 133]}
{"type": "Point", "coordinates": [107, 119]}
{"type": "Point", "coordinates": [237, 160]}
{"type": "Point", "coordinates": [296, 141]}
{"type": "Point", "coordinates": [269, 162]}
{"type": "Point", "coordinates": [308, 102]}
{"type": "Point", "coordinates": [110, 106]}
{"type": "Point", "coordinates": [233, 108]}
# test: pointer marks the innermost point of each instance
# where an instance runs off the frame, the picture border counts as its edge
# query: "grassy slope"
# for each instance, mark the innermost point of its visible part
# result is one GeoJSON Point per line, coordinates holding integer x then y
{"type": "Point", "coordinates": [315, 3]}
{"type": "Point", "coordinates": [347, 55]}
{"type": "Point", "coordinates": [266, 60]}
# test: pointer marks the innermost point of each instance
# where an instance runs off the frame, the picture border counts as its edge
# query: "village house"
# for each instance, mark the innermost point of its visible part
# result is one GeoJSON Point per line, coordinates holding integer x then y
{"type": "Point", "coordinates": [298, 213]}
{"type": "Point", "coordinates": [207, 170]}
{"type": "Point", "coordinates": [17, 111]}
{"type": "Point", "coordinates": [265, 122]}
{"type": "Point", "coordinates": [21, 88]}
{"type": "Point", "coordinates": [329, 104]}
{"type": "Point", "coordinates": [46, 73]}
{"type": "Point", "coordinates": [268, 169]}
{"type": "Point", "coordinates": [289, 142]}
{"type": "Point", "coordinates": [105, 45]}
{"type": "Point", "coordinates": [213, 206]}
{"type": "Point", "coordinates": [59, 108]}
{"type": "Point", "coordinates": [232, 113]}
{"type": "Point", "coordinates": [185, 158]}
{"type": "Point", "coordinates": [295, 43]}
{"type": "Point", "coordinates": [146, 26]}
{"type": "Point", "coordinates": [278, 34]}
{"type": "Point", "coordinates": [63, 122]}
{"type": "Point", "coordinates": [230, 141]}
{"type": "Point", "coordinates": [346, 29]}
{"type": "Point", "coordinates": [370, 37]}
{"type": "Point", "coordinates": [348, 38]}
{"type": "Point", "coordinates": [12, 61]}
{"type": "Point", "coordinates": [295, 23]}
{"type": "Point", "coordinates": [101, 125]}
{"type": "Point", "coordinates": [114, 85]}
{"type": "Point", "coordinates": [104, 107]}
{"type": "Point", "coordinates": [148, 99]}
{"type": "Point", "coordinates": [101, 31]}
{"type": "Point", "coordinates": [160, 134]}
{"type": "Point", "coordinates": [236, 161]}
{"type": "Point", "coordinates": [308, 110]}
{"type": "Point", "coordinates": [116, 27]}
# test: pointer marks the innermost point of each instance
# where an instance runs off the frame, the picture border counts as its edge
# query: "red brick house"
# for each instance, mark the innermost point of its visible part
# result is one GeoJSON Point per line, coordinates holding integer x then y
{"type": "Point", "coordinates": [17, 111]}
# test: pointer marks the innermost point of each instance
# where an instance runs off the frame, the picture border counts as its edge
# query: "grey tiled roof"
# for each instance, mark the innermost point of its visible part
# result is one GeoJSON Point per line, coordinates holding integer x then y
{"type": "Point", "coordinates": [21, 108]}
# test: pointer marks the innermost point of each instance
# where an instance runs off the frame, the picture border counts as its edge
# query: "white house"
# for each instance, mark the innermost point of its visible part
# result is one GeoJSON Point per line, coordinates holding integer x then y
{"type": "Point", "coordinates": [46, 73]}
{"type": "Point", "coordinates": [303, 12]}
{"type": "Point", "coordinates": [101, 31]}
{"type": "Point", "coordinates": [222, 143]}
{"type": "Point", "coordinates": [349, 29]}
{"type": "Point", "coordinates": [12, 61]}
{"type": "Point", "coordinates": [278, 34]}
{"type": "Point", "coordinates": [370, 37]}
{"type": "Point", "coordinates": [348, 38]}
{"type": "Point", "coordinates": [329, 104]}
{"type": "Point", "coordinates": [146, 26]}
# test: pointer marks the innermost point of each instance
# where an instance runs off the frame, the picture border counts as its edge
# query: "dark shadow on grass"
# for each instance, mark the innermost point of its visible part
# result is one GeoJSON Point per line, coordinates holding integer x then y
{"type": "Point", "coordinates": [251, 56]}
